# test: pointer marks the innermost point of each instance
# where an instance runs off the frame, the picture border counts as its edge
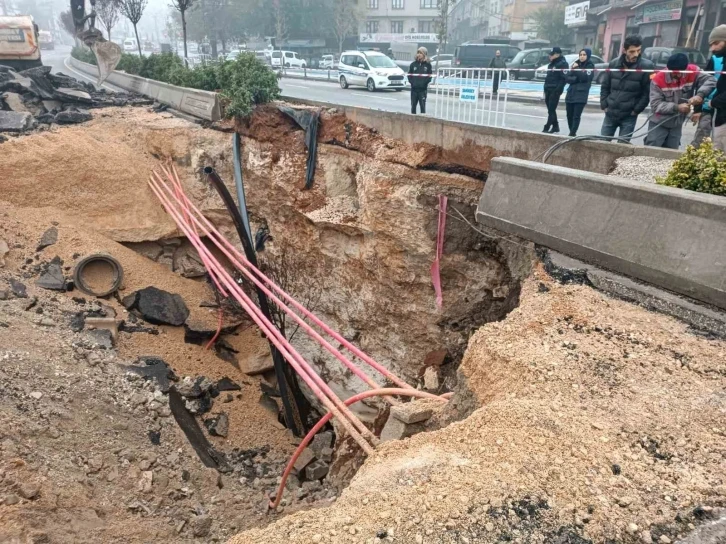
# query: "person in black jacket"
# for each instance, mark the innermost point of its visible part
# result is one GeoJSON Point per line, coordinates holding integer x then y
{"type": "Point", "coordinates": [497, 62]}
{"type": "Point", "coordinates": [553, 86]}
{"type": "Point", "coordinates": [624, 95]}
{"type": "Point", "coordinates": [419, 80]}
{"type": "Point", "coordinates": [580, 80]}
{"type": "Point", "coordinates": [718, 103]}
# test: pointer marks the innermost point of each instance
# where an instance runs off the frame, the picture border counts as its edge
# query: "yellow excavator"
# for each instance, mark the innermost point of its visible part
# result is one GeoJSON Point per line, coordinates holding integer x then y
{"type": "Point", "coordinates": [108, 54]}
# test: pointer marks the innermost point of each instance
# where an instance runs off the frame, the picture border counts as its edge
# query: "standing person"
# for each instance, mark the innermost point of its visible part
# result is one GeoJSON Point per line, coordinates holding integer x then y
{"type": "Point", "coordinates": [672, 93]}
{"type": "Point", "coordinates": [497, 62]}
{"type": "Point", "coordinates": [704, 116]}
{"type": "Point", "coordinates": [625, 94]}
{"type": "Point", "coordinates": [580, 80]}
{"type": "Point", "coordinates": [553, 86]}
{"type": "Point", "coordinates": [419, 76]}
{"type": "Point", "coordinates": [718, 107]}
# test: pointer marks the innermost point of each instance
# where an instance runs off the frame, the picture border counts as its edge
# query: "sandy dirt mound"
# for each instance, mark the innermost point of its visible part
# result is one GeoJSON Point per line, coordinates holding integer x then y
{"type": "Point", "coordinates": [100, 169]}
{"type": "Point", "coordinates": [601, 422]}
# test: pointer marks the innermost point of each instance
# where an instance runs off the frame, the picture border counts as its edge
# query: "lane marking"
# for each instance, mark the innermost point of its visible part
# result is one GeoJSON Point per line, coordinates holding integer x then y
{"type": "Point", "coordinates": [298, 86]}
{"type": "Point", "coordinates": [379, 97]}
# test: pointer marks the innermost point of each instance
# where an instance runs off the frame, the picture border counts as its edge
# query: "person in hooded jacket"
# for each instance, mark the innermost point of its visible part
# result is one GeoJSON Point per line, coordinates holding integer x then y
{"type": "Point", "coordinates": [718, 107]}
{"type": "Point", "coordinates": [704, 115]}
{"type": "Point", "coordinates": [553, 86]}
{"type": "Point", "coordinates": [672, 93]}
{"type": "Point", "coordinates": [419, 76]}
{"type": "Point", "coordinates": [580, 80]}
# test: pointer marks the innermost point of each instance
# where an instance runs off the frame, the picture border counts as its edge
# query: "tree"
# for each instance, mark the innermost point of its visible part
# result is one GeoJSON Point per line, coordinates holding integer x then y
{"type": "Point", "coordinates": [182, 6]}
{"type": "Point", "coordinates": [281, 29]}
{"type": "Point", "coordinates": [133, 10]}
{"type": "Point", "coordinates": [346, 16]}
{"type": "Point", "coordinates": [443, 27]}
{"type": "Point", "coordinates": [108, 12]}
{"type": "Point", "coordinates": [65, 20]}
{"type": "Point", "coordinates": [550, 24]}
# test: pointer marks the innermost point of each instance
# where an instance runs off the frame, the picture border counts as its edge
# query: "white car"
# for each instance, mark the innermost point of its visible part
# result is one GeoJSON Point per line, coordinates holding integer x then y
{"type": "Point", "coordinates": [370, 69]}
{"type": "Point", "coordinates": [541, 72]}
{"type": "Point", "coordinates": [327, 61]}
{"type": "Point", "coordinates": [130, 45]}
{"type": "Point", "coordinates": [288, 59]}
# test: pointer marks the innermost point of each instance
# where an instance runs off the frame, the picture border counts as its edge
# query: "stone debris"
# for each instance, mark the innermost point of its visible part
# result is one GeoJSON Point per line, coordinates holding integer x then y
{"type": "Point", "coordinates": [52, 277]}
{"type": "Point", "coordinates": [157, 306]}
{"type": "Point", "coordinates": [49, 238]}
{"type": "Point", "coordinates": [644, 169]}
{"type": "Point", "coordinates": [35, 96]}
{"type": "Point", "coordinates": [218, 425]}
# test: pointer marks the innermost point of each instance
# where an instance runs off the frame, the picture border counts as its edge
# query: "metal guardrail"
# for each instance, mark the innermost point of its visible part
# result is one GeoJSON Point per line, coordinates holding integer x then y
{"type": "Point", "coordinates": [467, 95]}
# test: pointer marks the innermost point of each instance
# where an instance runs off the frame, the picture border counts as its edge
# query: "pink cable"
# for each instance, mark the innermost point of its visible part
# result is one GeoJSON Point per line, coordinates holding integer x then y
{"type": "Point", "coordinates": [320, 424]}
{"type": "Point", "coordinates": [307, 328]}
{"type": "Point", "coordinates": [301, 366]}
{"type": "Point", "coordinates": [217, 238]}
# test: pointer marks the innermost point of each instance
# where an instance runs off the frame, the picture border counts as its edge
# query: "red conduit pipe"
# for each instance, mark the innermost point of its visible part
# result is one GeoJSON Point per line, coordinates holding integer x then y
{"type": "Point", "coordinates": [301, 366]}
{"type": "Point", "coordinates": [219, 329]}
{"type": "Point", "coordinates": [327, 417]}
{"type": "Point", "coordinates": [349, 346]}
{"type": "Point", "coordinates": [307, 328]}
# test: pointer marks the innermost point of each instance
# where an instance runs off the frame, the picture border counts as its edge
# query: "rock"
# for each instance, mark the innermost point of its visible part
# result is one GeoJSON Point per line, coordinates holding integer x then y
{"type": "Point", "coordinates": [11, 499]}
{"type": "Point", "coordinates": [52, 105]}
{"type": "Point", "coordinates": [52, 278]}
{"type": "Point", "coordinates": [73, 116]}
{"type": "Point", "coordinates": [632, 528]}
{"type": "Point", "coordinates": [12, 121]}
{"type": "Point", "coordinates": [4, 250]}
{"type": "Point", "coordinates": [218, 425]}
{"type": "Point", "coordinates": [431, 379]}
{"type": "Point", "coordinates": [201, 526]}
{"type": "Point", "coordinates": [394, 429]}
{"type": "Point", "coordinates": [435, 358]}
{"type": "Point", "coordinates": [154, 368]}
{"type": "Point", "coordinates": [306, 457]}
{"type": "Point", "coordinates": [186, 261]}
{"type": "Point", "coordinates": [259, 364]}
{"type": "Point", "coordinates": [158, 307]}
{"type": "Point", "coordinates": [46, 119]}
{"type": "Point", "coordinates": [39, 76]}
{"type": "Point", "coordinates": [412, 412]}
{"type": "Point", "coordinates": [147, 479]}
{"type": "Point", "coordinates": [624, 502]}
{"type": "Point", "coordinates": [46, 322]}
{"type": "Point", "coordinates": [37, 395]}
{"type": "Point", "coordinates": [18, 289]}
{"type": "Point", "coordinates": [29, 491]}
{"type": "Point", "coordinates": [99, 338]}
{"type": "Point", "coordinates": [225, 384]}
{"type": "Point", "coordinates": [67, 94]}
{"type": "Point", "coordinates": [664, 539]}
{"type": "Point", "coordinates": [14, 102]}
{"type": "Point", "coordinates": [317, 470]}
{"type": "Point", "coordinates": [321, 441]}
{"type": "Point", "coordinates": [646, 537]}
{"type": "Point", "coordinates": [49, 238]}
{"type": "Point", "coordinates": [326, 454]}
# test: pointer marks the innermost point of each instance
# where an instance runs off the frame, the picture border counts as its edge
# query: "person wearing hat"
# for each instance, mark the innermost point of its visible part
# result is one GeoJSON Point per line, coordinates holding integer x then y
{"type": "Point", "coordinates": [672, 93]}
{"type": "Point", "coordinates": [703, 115]}
{"type": "Point", "coordinates": [554, 84]}
{"type": "Point", "coordinates": [624, 92]}
{"type": "Point", "coordinates": [419, 76]}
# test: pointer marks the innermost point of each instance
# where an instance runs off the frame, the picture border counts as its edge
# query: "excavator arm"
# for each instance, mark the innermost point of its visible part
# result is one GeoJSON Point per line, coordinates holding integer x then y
{"type": "Point", "coordinates": [108, 54]}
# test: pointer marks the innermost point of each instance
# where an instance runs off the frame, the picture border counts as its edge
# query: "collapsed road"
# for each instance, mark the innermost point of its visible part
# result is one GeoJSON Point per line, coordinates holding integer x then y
{"type": "Point", "coordinates": [572, 416]}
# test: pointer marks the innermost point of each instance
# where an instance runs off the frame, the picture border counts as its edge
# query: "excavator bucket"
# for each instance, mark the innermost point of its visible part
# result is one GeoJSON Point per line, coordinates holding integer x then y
{"type": "Point", "coordinates": [108, 54]}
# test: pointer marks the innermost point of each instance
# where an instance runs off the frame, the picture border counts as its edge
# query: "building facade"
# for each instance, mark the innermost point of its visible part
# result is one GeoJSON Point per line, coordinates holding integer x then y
{"type": "Point", "coordinates": [471, 20]}
{"type": "Point", "coordinates": [519, 25]}
{"type": "Point", "coordinates": [387, 21]}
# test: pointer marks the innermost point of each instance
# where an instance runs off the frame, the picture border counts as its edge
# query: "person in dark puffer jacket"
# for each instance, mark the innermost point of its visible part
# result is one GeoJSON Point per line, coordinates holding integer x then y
{"type": "Point", "coordinates": [580, 80]}
{"type": "Point", "coordinates": [624, 95]}
{"type": "Point", "coordinates": [553, 86]}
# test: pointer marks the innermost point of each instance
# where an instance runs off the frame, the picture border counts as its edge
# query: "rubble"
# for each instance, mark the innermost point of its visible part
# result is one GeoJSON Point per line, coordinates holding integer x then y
{"type": "Point", "coordinates": [36, 96]}
{"type": "Point", "coordinates": [157, 306]}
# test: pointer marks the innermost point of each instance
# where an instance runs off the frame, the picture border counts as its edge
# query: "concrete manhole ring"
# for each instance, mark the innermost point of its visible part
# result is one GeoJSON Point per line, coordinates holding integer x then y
{"type": "Point", "coordinates": [98, 275]}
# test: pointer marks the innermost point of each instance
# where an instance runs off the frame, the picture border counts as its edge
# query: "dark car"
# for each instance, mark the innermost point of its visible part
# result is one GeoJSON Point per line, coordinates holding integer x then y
{"type": "Point", "coordinates": [528, 61]}
{"type": "Point", "coordinates": [479, 55]}
{"type": "Point", "coordinates": [660, 55]}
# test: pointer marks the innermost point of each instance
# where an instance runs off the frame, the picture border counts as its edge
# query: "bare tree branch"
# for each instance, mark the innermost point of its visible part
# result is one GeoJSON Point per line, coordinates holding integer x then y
{"type": "Point", "coordinates": [182, 6]}
{"type": "Point", "coordinates": [133, 10]}
{"type": "Point", "coordinates": [108, 12]}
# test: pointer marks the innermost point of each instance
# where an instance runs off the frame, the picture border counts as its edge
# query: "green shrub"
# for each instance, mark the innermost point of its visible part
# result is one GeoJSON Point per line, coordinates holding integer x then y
{"type": "Point", "coordinates": [84, 54]}
{"type": "Point", "coordinates": [158, 67]}
{"type": "Point", "coordinates": [702, 170]}
{"type": "Point", "coordinates": [130, 63]}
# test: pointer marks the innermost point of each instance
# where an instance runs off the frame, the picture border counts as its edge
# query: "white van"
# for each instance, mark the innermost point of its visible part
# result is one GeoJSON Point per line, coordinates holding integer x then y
{"type": "Point", "coordinates": [130, 45]}
{"type": "Point", "coordinates": [288, 59]}
{"type": "Point", "coordinates": [370, 69]}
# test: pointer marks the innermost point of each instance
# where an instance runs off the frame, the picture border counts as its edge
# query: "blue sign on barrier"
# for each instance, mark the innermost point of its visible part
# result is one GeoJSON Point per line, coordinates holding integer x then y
{"type": "Point", "coordinates": [468, 94]}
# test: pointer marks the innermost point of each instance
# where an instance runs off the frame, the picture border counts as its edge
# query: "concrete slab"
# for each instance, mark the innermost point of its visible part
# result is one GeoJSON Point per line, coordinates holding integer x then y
{"type": "Point", "coordinates": [13, 121]}
{"type": "Point", "coordinates": [672, 238]}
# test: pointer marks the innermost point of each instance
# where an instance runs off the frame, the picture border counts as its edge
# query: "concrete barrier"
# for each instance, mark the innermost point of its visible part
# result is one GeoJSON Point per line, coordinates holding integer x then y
{"type": "Point", "coordinates": [201, 104]}
{"type": "Point", "coordinates": [475, 146]}
{"type": "Point", "coordinates": [673, 238]}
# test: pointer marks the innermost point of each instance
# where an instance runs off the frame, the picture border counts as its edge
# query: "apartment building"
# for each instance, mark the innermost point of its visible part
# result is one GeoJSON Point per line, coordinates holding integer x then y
{"type": "Point", "coordinates": [388, 21]}
{"type": "Point", "coordinates": [471, 20]}
{"type": "Point", "coordinates": [518, 24]}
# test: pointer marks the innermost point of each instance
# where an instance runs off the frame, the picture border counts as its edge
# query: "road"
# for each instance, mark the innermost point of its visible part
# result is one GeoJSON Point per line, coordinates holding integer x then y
{"type": "Point", "coordinates": [521, 116]}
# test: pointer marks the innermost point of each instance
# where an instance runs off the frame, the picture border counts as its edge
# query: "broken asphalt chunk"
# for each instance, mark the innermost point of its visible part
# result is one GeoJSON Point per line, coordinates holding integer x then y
{"type": "Point", "coordinates": [18, 289]}
{"type": "Point", "coordinates": [225, 384]}
{"type": "Point", "coordinates": [157, 306]}
{"type": "Point", "coordinates": [72, 116]}
{"type": "Point", "coordinates": [67, 94]}
{"type": "Point", "coordinates": [12, 121]}
{"type": "Point", "coordinates": [52, 278]}
{"type": "Point", "coordinates": [218, 425]}
{"type": "Point", "coordinates": [154, 368]}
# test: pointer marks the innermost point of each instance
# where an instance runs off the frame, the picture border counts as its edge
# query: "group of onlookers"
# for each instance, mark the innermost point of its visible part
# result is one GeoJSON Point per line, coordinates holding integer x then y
{"type": "Point", "coordinates": [681, 91]}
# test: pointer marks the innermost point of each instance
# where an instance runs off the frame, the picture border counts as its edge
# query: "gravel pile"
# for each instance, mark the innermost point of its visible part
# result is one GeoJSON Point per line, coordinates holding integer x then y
{"type": "Point", "coordinates": [641, 168]}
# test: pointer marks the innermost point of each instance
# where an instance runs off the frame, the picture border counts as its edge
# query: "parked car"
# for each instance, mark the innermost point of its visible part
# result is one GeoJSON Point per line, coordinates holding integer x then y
{"type": "Point", "coordinates": [524, 63]}
{"type": "Point", "coordinates": [445, 60]}
{"type": "Point", "coordinates": [541, 72]}
{"type": "Point", "coordinates": [370, 69]}
{"type": "Point", "coordinates": [288, 59]}
{"type": "Point", "coordinates": [130, 45]}
{"type": "Point", "coordinates": [327, 62]}
{"type": "Point", "coordinates": [660, 55]}
{"type": "Point", "coordinates": [479, 55]}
